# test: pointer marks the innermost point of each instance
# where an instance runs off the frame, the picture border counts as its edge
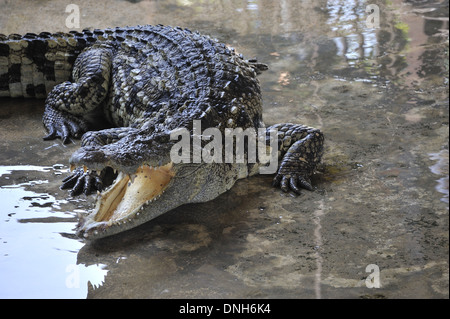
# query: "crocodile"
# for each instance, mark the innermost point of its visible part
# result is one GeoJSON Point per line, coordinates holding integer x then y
{"type": "Point", "coordinates": [147, 82]}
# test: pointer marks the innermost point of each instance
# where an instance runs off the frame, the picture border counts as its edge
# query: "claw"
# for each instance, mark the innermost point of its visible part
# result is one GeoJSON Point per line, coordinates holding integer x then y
{"type": "Point", "coordinates": [276, 181]}
{"type": "Point", "coordinates": [80, 185]}
{"type": "Point", "coordinates": [69, 182]}
{"type": "Point", "coordinates": [75, 129]}
{"type": "Point", "coordinates": [98, 185]}
{"type": "Point", "coordinates": [54, 133]}
{"type": "Point", "coordinates": [51, 134]}
{"type": "Point", "coordinates": [65, 134]}
{"type": "Point", "coordinates": [305, 183]}
{"type": "Point", "coordinates": [293, 185]}
{"type": "Point", "coordinates": [292, 182]}
{"type": "Point", "coordinates": [285, 184]}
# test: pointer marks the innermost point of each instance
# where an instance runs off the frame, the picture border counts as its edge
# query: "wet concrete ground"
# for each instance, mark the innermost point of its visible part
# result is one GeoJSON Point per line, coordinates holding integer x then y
{"type": "Point", "coordinates": [380, 95]}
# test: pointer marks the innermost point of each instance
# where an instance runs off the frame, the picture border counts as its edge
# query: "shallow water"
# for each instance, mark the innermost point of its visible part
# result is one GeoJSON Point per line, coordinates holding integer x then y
{"type": "Point", "coordinates": [380, 95]}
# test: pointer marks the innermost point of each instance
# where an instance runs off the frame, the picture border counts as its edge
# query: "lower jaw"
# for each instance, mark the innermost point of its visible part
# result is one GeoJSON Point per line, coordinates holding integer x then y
{"type": "Point", "coordinates": [129, 194]}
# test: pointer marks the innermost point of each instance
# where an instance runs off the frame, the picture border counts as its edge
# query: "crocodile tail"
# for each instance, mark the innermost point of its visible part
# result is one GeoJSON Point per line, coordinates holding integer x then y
{"type": "Point", "coordinates": [32, 64]}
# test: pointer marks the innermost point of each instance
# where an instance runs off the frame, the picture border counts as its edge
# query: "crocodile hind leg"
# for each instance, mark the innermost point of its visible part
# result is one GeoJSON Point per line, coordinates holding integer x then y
{"type": "Point", "coordinates": [300, 150]}
{"type": "Point", "coordinates": [87, 181]}
{"type": "Point", "coordinates": [68, 103]}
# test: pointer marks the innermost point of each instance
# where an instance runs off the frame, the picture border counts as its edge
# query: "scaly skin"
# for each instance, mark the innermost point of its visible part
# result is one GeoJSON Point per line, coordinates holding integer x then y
{"type": "Point", "coordinates": [147, 81]}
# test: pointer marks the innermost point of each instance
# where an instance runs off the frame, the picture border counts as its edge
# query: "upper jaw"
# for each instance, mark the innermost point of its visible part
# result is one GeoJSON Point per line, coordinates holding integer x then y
{"type": "Point", "coordinates": [124, 156]}
{"type": "Point", "coordinates": [90, 158]}
{"type": "Point", "coordinates": [126, 160]}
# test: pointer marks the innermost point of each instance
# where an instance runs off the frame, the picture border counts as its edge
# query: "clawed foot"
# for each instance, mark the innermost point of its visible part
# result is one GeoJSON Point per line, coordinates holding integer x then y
{"type": "Point", "coordinates": [294, 182]}
{"type": "Point", "coordinates": [63, 127]}
{"type": "Point", "coordinates": [300, 162]}
{"type": "Point", "coordinates": [87, 182]}
{"type": "Point", "coordinates": [82, 182]}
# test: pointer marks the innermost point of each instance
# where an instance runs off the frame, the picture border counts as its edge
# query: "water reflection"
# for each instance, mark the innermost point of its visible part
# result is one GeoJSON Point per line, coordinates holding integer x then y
{"type": "Point", "coordinates": [354, 40]}
{"type": "Point", "coordinates": [38, 253]}
{"type": "Point", "coordinates": [252, 5]}
{"type": "Point", "coordinates": [441, 169]}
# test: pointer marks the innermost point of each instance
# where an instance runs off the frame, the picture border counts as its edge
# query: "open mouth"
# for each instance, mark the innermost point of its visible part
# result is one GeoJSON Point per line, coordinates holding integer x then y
{"type": "Point", "coordinates": [131, 193]}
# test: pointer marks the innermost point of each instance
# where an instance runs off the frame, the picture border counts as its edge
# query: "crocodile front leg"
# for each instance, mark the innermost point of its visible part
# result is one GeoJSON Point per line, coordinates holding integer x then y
{"type": "Point", "coordinates": [68, 104]}
{"type": "Point", "coordinates": [88, 181]}
{"type": "Point", "coordinates": [85, 181]}
{"type": "Point", "coordinates": [300, 150]}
